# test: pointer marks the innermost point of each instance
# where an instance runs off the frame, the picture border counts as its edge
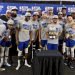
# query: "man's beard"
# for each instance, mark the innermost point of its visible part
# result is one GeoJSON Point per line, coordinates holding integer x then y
{"type": "Point", "coordinates": [14, 15]}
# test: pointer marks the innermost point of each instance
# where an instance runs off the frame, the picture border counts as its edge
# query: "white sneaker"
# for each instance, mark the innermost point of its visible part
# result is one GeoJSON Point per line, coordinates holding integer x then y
{"type": "Point", "coordinates": [2, 69]}
{"type": "Point", "coordinates": [7, 64]}
{"type": "Point", "coordinates": [17, 68]}
{"type": "Point", "coordinates": [65, 64]}
{"type": "Point", "coordinates": [27, 65]}
{"type": "Point", "coordinates": [72, 67]}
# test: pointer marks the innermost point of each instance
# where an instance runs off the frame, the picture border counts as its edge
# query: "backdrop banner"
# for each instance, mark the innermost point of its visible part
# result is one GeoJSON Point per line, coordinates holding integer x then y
{"type": "Point", "coordinates": [22, 7]}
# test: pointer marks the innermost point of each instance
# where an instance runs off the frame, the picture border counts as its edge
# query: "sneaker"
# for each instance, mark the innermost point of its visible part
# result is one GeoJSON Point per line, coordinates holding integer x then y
{"type": "Point", "coordinates": [72, 67]}
{"type": "Point", "coordinates": [2, 69]}
{"type": "Point", "coordinates": [65, 64]}
{"type": "Point", "coordinates": [18, 67]}
{"type": "Point", "coordinates": [27, 65]}
{"type": "Point", "coordinates": [7, 64]}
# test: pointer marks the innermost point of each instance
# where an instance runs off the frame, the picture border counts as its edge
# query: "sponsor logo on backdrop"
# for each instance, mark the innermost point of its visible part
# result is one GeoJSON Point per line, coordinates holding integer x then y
{"type": "Point", "coordinates": [47, 8]}
{"type": "Point", "coordinates": [59, 9]}
{"type": "Point", "coordinates": [71, 9]}
{"type": "Point", "coordinates": [1, 7]}
{"type": "Point", "coordinates": [34, 8]}
{"type": "Point", "coordinates": [10, 7]}
{"type": "Point", "coordinates": [24, 7]}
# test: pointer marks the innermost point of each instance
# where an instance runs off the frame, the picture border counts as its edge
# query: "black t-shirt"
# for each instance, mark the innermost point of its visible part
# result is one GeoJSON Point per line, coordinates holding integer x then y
{"type": "Point", "coordinates": [4, 18]}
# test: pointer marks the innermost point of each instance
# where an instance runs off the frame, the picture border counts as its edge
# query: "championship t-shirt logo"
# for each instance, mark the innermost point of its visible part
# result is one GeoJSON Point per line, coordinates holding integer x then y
{"type": "Point", "coordinates": [34, 26]}
{"type": "Point", "coordinates": [44, 25]}
{"type": "Point", "coordinates": [25, 26]}
{"type": "Point", "coordinates": [15, 21]}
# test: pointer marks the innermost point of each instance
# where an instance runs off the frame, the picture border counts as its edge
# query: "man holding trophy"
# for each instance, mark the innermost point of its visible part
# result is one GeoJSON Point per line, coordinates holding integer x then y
{"type": "Point", "coordinates": [53, 32]}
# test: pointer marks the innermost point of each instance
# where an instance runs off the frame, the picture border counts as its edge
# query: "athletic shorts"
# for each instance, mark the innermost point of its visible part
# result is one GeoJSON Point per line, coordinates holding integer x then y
{"type": "Point", "coordinates": [43, 43]}
{"type": "Point", "coordinates": [5, 43]}
{"type": "Point", "coordinates": [52, 46]}
{"type": "Point", "coordinates": [23, 45]}
{"type": "Point", "coordinates": [70, 43]}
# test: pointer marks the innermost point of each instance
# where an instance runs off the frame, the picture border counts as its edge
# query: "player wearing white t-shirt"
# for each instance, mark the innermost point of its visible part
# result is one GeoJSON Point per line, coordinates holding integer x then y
{"type": "Point", "coordinates": [23, 36]}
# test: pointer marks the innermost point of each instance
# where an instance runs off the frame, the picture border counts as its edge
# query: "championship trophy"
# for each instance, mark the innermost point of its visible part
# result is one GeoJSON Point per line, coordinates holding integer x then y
{"type": "Point", "coordinates": [52, 33]}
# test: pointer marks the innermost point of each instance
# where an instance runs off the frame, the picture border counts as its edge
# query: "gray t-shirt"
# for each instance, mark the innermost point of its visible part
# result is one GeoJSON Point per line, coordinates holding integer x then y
{"type": "Point", "coordinates": [67, 26]}
{"type": "Point", "coordinates": [2, 30]}
{"type": "Point", "coordinates": [25, 28]}
{"type": "Point", "coordinates": [43, 25]}
{"type": "Point", "coordinates": [16, 21]}
{"type": "Point", "coordinates": [35, 27]}
{"type": "Point", "coordinates": [54, 28]}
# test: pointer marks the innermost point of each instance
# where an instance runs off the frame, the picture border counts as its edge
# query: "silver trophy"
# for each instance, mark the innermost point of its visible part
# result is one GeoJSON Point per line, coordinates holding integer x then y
{"type": "Point", "coordinates": [52, 32]}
